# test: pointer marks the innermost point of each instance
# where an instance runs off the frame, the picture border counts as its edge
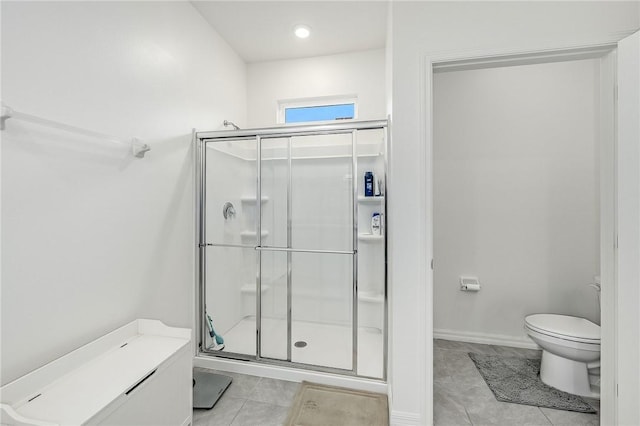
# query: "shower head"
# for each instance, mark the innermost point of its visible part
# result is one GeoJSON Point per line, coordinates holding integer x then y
{"type": "Point", "coordinates": [230, 123]}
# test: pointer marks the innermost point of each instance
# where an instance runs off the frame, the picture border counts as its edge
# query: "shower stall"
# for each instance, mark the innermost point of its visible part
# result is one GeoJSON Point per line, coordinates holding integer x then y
{"type": "Point", "coordinates": [291, 271]}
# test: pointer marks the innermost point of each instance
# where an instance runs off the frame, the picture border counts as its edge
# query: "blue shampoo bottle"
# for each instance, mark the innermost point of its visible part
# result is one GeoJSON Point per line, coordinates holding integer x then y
{"type": "Point", "coordinates": [368, 184]}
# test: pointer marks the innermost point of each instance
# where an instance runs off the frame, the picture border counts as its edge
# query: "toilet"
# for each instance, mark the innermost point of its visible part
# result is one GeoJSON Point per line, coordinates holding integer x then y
{"type": "Point", "coordinates": [570, 352]}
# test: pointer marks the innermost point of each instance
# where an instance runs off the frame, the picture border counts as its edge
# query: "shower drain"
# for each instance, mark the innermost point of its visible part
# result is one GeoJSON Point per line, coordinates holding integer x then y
{"type": "Point", "coordinates": [300, 344]}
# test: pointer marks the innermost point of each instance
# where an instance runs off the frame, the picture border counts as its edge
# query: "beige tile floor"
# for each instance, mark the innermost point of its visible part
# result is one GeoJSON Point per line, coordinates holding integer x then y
{"type": "Point", "coordinates": [461, 397]}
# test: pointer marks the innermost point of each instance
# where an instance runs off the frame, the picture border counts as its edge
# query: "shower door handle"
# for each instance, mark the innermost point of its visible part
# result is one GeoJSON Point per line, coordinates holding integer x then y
{"type": "Point", "coordinates": [291, 250]}
{"type": "Point", "coordinates": [226, 245]}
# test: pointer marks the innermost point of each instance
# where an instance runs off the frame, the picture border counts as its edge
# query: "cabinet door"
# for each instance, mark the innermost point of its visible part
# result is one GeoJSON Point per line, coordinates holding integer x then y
{"type": "Point", "coordinates": [165, 398]}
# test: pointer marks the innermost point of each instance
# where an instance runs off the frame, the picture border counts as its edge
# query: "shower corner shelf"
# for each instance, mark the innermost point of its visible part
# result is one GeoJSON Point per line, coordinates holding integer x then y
{"type": "Point", "coordinates": [370, 237]}
{"type": "Point", "coordinates": [250, 288]}
{"type": "Point", "coordinates": [375, 199]}
{"type": "Point", "coordinates": [253, 234]}
{"type": "Point", "coordinates": [371, 297]}
{"type": "Point", "coordinates": [252, 200]}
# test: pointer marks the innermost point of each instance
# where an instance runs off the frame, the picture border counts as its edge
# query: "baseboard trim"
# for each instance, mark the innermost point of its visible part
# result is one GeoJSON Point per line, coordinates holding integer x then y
{"type": "Point", "coordinates": [403, 418]}
{"type": "Point", "coordinates": [485, 338]}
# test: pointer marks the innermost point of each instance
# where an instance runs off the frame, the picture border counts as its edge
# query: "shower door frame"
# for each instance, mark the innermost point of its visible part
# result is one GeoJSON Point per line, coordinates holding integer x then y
{"type": "Point", "coordinates": [288, 132]}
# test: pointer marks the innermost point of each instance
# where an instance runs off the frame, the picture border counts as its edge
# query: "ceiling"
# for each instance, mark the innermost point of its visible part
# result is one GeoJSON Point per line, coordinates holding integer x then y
{"type": "Point", "coordinates": [263, 30]}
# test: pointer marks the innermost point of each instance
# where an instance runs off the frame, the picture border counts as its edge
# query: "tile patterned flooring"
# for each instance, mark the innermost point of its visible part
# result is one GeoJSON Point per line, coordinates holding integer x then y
{"type": "Point", "coordinates": [461, 397]}
{"type": "Point", "coordinates": [249, 401]}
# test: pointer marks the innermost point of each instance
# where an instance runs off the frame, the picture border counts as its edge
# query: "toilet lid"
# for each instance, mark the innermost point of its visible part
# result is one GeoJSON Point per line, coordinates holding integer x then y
{"type": "Point", "coordinates": [565, 326]}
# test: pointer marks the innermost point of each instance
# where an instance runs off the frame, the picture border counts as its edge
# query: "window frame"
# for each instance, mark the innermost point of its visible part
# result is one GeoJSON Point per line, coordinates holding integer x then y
{"type": "Point", "coordinates": [285, 104]}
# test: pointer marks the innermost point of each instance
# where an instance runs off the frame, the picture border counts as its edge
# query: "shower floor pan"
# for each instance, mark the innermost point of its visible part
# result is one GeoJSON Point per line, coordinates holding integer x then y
{"type": "Point", "coordinates": [327, 345]}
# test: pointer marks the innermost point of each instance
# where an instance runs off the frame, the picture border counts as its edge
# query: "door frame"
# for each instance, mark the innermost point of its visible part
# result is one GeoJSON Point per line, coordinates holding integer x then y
{"type": "Point", "coordinates": [475, 59]}
{"type": "Point", "coordinates": [628, 227]}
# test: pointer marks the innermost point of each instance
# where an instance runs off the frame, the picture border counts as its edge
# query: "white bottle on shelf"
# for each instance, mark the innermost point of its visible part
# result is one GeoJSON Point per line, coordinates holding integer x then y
{"type": "Point", "coordinates": [376, 188]}
{"type": "Point", "coordinates": [376, 224]}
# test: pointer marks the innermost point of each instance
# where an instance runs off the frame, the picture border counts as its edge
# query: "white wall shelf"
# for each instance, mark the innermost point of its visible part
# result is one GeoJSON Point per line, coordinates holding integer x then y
{"type": "Point", "coordinates": [370, 237]}
{"type": "Point", "coordinates": [367, 200]}
{"type": "Point", "coordinates": [253, 234]}
{"type": "Point", "coordinates": [370, 297]}
{"type": "Point", "coordinates": [252, 200]}
{"type": "Point", "coordinates": [250, 288]}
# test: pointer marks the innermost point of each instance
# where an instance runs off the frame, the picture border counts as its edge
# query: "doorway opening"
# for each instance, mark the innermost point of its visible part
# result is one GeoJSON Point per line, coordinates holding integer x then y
{"type": "Point", "coordinates": [523, 203]}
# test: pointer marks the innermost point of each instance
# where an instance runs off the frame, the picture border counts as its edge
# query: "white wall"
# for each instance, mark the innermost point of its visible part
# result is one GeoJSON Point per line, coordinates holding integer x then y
{"type": "Point", "coordinates": [516, 189]}
{"type": "Point", "coordinates": [93, 238]}
{"type": "Point", "coordinates": [418, 29]}
{"type": "Point", "coordinates": [359, 73]}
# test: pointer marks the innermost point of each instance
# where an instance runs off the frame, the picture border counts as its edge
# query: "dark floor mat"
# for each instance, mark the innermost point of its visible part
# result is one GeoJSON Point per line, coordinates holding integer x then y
{"type": "Point", "coordinates": [517, 380]}
{"type": "Point", "coordinates": [208, 388]}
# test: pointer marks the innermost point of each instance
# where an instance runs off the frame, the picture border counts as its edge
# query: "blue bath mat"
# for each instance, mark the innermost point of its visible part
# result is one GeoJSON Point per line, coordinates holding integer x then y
{"type": "Point", "coordinates": [517, 380]}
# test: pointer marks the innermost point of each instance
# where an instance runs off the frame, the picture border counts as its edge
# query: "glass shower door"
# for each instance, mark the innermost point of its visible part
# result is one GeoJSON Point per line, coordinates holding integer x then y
{"type": "Point", "coordinates": [308, 262]}
{"type": "Point", "coordinates": [292, 269]}
{"type": "Point", "coordinates": [230, 235]}
{"type": "Point", "coordinates": [274, 266]}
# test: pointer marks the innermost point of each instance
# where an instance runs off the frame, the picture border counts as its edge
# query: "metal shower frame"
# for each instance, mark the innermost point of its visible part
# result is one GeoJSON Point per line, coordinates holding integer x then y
{"type": "Point", "coordinates": [352, 127]}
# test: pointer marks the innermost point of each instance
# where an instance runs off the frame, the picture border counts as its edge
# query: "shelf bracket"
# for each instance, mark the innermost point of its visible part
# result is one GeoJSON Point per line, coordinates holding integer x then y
{"type": "Point", "coordinates": [7, 113]}
{"type": "Point", "coordinates": [138, 148]}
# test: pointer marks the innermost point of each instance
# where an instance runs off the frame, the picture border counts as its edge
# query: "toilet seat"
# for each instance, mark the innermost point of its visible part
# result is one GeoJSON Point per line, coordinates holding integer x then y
{"type": "Point", "coordinates": [564, 327]}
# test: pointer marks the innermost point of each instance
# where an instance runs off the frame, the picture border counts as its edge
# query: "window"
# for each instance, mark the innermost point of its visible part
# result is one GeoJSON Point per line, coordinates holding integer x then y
{"type": "Point", "coordinates": [321, 109]}
{"type": "Point", "coordinates": [319, 113]}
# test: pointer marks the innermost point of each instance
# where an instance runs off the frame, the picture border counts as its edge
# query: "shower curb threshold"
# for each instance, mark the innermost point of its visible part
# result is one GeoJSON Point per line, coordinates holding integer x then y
{"type": "Point", "coordinates": [289, 374]}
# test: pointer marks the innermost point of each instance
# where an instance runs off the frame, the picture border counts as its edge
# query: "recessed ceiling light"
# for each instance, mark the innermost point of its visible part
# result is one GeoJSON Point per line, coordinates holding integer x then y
{"type": "Point", "coordinates": [302, 31]}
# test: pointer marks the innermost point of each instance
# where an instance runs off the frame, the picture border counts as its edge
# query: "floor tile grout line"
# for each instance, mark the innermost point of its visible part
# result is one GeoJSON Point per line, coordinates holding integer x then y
{"type": "Point", "coordinates": [545, 416]}
{"type": "Point", "coordinates": [238, 413]}
{"type": "Point", "coordinates": [253, 390]}
{"type": "Point", "coordinates": [468, 416]}
{"type": "Point", "coordinates": [254, 387]}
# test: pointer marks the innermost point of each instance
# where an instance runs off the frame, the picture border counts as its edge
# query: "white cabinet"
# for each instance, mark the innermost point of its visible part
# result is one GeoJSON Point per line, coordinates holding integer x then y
{"type": "Point", "coordinates": [139, 374]}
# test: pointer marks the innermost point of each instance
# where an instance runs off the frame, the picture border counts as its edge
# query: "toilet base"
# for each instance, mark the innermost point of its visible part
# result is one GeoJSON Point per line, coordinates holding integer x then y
{"type": "Point", "coordinates": [566, 375]}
